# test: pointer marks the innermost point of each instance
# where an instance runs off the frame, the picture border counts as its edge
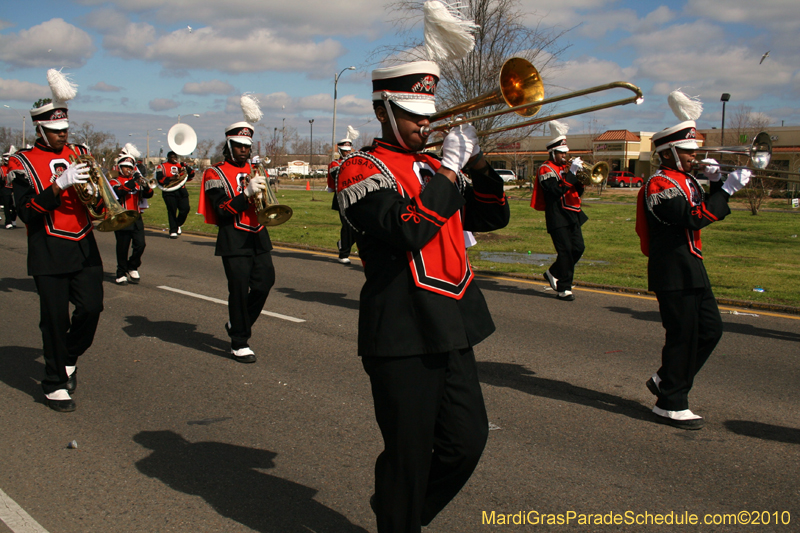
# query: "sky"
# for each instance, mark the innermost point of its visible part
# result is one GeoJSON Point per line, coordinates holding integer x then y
{"type": "Point", "coordinates": [141, 65]}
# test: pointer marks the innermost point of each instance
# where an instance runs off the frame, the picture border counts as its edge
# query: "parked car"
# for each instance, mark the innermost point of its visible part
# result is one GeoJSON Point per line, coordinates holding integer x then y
{"type": "Point", "coordinates": [623, 178]}
{"type": "Point", "coordinates": [507, 175]}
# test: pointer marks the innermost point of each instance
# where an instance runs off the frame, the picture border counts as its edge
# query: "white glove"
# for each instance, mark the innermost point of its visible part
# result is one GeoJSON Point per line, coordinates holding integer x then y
{"type": "Point", "coordinates": [72, 175]}
{"type": "Point", "coordinates": [328, 189]}
{"type": "Point", "coordinates": [458, 147]}
{"type": "Point", "coordinates": [255, 186]}
{"type": "Point", "coordinates": [576, 166]}
{"type": "Point", "coordinates": [711, 169]}
{"type": "Point", "coordinates": [736, 180]}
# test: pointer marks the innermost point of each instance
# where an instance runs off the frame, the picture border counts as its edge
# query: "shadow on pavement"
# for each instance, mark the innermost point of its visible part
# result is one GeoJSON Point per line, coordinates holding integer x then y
{"type": "Point", "coordinates": [228, 477]}
{"type": "Point", "coordinates": [327, 298]}
{"type": "Point", "coordinates": [355, 263]}
{"type": "Point", "coordinates": [728, 327]}
{"type": "Point", "coordinates": [180, 333]}
{"type": "Point", "coordinates": [19, 369]}
{"type": "Point", "coordinates": [17, 284]}
{"type": "Point", "coordinates": [764, 431]}
{"type": "Point", "coordinates": [536, 290]}
{"type": "Point", "coordinates": [514, 376]}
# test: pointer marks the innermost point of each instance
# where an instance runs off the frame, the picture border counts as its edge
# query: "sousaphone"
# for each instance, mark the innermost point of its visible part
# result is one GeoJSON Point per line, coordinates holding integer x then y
{"type": "Point", "coordinates": [182, 140]}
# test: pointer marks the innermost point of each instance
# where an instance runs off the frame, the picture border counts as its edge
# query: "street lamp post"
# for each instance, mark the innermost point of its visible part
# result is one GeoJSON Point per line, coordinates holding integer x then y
{"type": "Point", "coordinates": [22, 144]}
{"type": "Point", "coordinates": [193, 114]}
{"type": "Point", "coordinates": [335, 94]}
{"type": "Point", "coordinates": [311, 148]}
{"type": "Point", "coordinates": [724, 99]}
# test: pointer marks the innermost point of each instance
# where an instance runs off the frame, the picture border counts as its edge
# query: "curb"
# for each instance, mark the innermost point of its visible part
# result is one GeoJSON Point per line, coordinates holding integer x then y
{"type": "Point", "coordinates": [744, 304]}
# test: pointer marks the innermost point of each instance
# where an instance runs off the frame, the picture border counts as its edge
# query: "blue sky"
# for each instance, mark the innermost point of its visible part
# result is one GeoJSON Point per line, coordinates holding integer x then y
{"type": "Point", "coordinates": [138, 65]}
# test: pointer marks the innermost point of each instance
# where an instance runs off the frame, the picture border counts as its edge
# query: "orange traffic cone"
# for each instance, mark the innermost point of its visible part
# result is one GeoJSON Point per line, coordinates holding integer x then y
{"type": "Point", "coordinates": [308, 185]}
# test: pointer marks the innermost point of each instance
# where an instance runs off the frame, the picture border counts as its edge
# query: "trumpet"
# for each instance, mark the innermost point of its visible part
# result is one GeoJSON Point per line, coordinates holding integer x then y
{"type": "Point", "coordinates": [269, 211]}
{"type": "Point", "coordinates": [101, 202]}
{"type": "Point", "coordinates": [592, 174]}
{"type": "Point", "coordinates": [522, 90]}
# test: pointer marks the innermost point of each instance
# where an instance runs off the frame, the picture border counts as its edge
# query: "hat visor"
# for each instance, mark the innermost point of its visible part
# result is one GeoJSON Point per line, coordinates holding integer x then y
{"type": "Point", "coordinates": [345, 148]}
{"type": "Point", "coordinates": [241, 140]}
{"type": "Point", "coordinates": [417, 107]}
{"type": "Point", "coordinates": [688, 144]}
{"type": "Point", "coordinates": [561, 148]}
{"type": "Point", "coordinates": [56, 125]}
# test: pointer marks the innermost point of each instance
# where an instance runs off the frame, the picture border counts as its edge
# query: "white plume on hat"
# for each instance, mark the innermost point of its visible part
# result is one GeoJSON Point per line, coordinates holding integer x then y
{"type": "Point", "coordinates": [251, 108]}
{"type": "Point", "coordinates": [685, 107]}
{"type": "Point", "coordinates": [352, 134]}
{"type": "Point", "coordinates": [61, 87]}
{"type": "Point", "coordinates": [557, 128]}
{"type": "Point", "coordinates": [131, 150]}
{"type": "Point", "coordinates": [448, 34]}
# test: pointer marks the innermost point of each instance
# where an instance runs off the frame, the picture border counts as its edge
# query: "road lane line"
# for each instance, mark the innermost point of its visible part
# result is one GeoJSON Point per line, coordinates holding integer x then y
{"type": "Point", "coordinates": [223, 302]}
{"type": "Point", "coordinates": [16, 518]}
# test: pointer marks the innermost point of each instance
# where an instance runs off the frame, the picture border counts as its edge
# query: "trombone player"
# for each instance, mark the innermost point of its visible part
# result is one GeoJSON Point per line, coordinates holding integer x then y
{"type": "Point", "coordinates": [63, 257]}
{"type": "Point", "coordinates": [226, 199]}
{"type": "Point", "coordinates": [558, 192]}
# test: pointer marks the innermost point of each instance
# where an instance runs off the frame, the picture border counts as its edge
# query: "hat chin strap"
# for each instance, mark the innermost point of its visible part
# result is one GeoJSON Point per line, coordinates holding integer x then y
{"type": "Point", "coordinates": [677, 159]}
{"type": "Point", "coordinates": [40, 129]}
{"type": "Point", "coordinates": [387, 100]}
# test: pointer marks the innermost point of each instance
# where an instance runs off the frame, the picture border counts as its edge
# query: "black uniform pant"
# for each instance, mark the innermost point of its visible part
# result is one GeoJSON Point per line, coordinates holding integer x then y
{"type": "Point", "coordinates": [568, 242]}
{"type": "Point", "coordinates": [8, 204]}
{"type": "Point", "coordinates": [250, 279]}
{"type": "Point", "coordinates": [64, 340]}
{"type": "Point", "coordinates": [693, 328]}
{"type": "Point", "coordinates": [433, 421]}
{"type": "Point", "coordinates": [347, 238]}
{"type": "Point", "coordinates": [177, 203]}
{"type": "Point", "coordinates": [133, 235]}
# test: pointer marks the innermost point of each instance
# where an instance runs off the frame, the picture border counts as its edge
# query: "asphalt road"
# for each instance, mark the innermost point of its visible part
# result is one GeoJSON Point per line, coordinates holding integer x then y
{"type": "Point", "coordinates": [175, 436]}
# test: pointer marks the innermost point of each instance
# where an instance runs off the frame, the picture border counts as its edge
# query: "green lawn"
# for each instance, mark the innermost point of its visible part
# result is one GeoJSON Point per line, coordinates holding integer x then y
{"type": "Point", "coordinates": [742, 252]}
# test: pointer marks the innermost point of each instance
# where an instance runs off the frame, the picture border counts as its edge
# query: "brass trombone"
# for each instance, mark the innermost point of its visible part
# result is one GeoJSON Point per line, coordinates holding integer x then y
{"type": "Point", "coordinates": [759, 153]}
{"type": "Point", "coordinates": [522, 90]}
{"type": "Point", "coordinates": [592, 174]}
{"type": "Point", "coordinates": [269, 211]}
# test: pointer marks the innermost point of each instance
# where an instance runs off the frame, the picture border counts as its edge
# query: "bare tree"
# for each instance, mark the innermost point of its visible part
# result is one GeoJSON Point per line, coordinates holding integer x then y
{"type": "Point", "coordinates": [502, 34]}
{"type": "Point", "coordinates": [204, 147]}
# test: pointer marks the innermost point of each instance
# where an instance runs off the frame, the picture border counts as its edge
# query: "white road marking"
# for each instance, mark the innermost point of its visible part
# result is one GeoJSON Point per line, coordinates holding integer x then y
{"type": "Point", "coordinates": [223, 302]}
{"type": "Point", "coordinates": [16, 518]}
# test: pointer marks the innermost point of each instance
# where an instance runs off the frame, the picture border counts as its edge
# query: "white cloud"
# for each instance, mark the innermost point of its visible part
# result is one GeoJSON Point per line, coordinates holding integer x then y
{"type": "Point", "coordinates": [54, 42]}
{"type": "Point", "coordinates": [780, 15]}
{"type": "Point", "coordinates": [23, 91]}
{"type": "Point", "coordinates": [105, 87]}
{"type": "Point", "coordinates": [208, 87]}
{"type": "Point", "coordinates": [163, 104]}
{"type": "Point", "coordinates": [130, 41]}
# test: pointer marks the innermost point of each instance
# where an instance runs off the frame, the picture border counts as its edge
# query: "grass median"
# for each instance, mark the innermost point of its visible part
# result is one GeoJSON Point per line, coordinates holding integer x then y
{"type": "Point", "coordinates": [743, 253]}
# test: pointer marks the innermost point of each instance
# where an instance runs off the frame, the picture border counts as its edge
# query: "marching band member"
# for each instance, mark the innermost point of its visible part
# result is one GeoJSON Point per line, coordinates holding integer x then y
{"type": "Point", "coordinates": [62, 253]}
{"type": "Point", "coordinates": [8, 191]}
{"type": "Point", "coordinates": [242, 242]}
{"type": "Point", "coordinates": [672, 209]}
{"type": "Point", "coordinates": [132, 190]}
{"type": "Point", "coordinates": [558, 192]}
{"type": "Point", "coordinates": [347, 236]}
{"type": "Point", "coordinates": [420, 314]}
{"type": "Point", "coordinates": [177, 201]}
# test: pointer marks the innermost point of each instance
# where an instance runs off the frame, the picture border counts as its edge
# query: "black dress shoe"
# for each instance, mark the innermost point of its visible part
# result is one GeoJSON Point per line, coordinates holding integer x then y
{"type": "Point", "coordinates": [72, 382]}
{"type": "Point", "coordinates": [373, 504]}
{"type": "Point", "coordinates": [62, 406]}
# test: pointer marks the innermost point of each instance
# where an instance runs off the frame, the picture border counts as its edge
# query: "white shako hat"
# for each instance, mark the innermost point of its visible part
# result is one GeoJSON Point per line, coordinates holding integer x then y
{"type": "Point", "coordinates": [54, 116]}
{"type": "Point", "coordinates": [411, 86]}
{"type": "Point", "coordinates": [346, 144]}
{"type": "Point", "coordinates": [683, 135]}
{"type": "Point", "coordinates": [128, 155]}
{"type": "Point", "coordinates": [242, 132]}
{"type": "Point", "coordinates": [559, 143]}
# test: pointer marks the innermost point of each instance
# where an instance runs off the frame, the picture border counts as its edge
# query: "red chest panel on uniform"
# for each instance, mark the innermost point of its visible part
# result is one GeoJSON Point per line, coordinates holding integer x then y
{"type": "Point", "coordinates": [570, 200]}
{"type": "Point", "coordinates": [234, 180]}
{"type": "Point", "coordinates": [70, 220]}
{"type": "Point", "coordinates": [442, 265]}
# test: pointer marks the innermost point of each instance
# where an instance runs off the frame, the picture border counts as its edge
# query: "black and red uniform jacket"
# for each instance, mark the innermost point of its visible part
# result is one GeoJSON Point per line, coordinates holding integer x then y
{"type": "Point", "coordinates": [5, 178]}
{"type": "Point", "coordinates": [130, 193]}
{"type": "Point", "coordinates": [562, 196]}
{"type": "Point", "coordinates": [418, 297]}
{"type": "Point", "coordinates": [166, 172]}
{"type": "Point", "coordinates": [60, 237]}
{"type": "Point", "coordinates": [672, 208]}
{"type": "Point", "coordinates": [223, 202]}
